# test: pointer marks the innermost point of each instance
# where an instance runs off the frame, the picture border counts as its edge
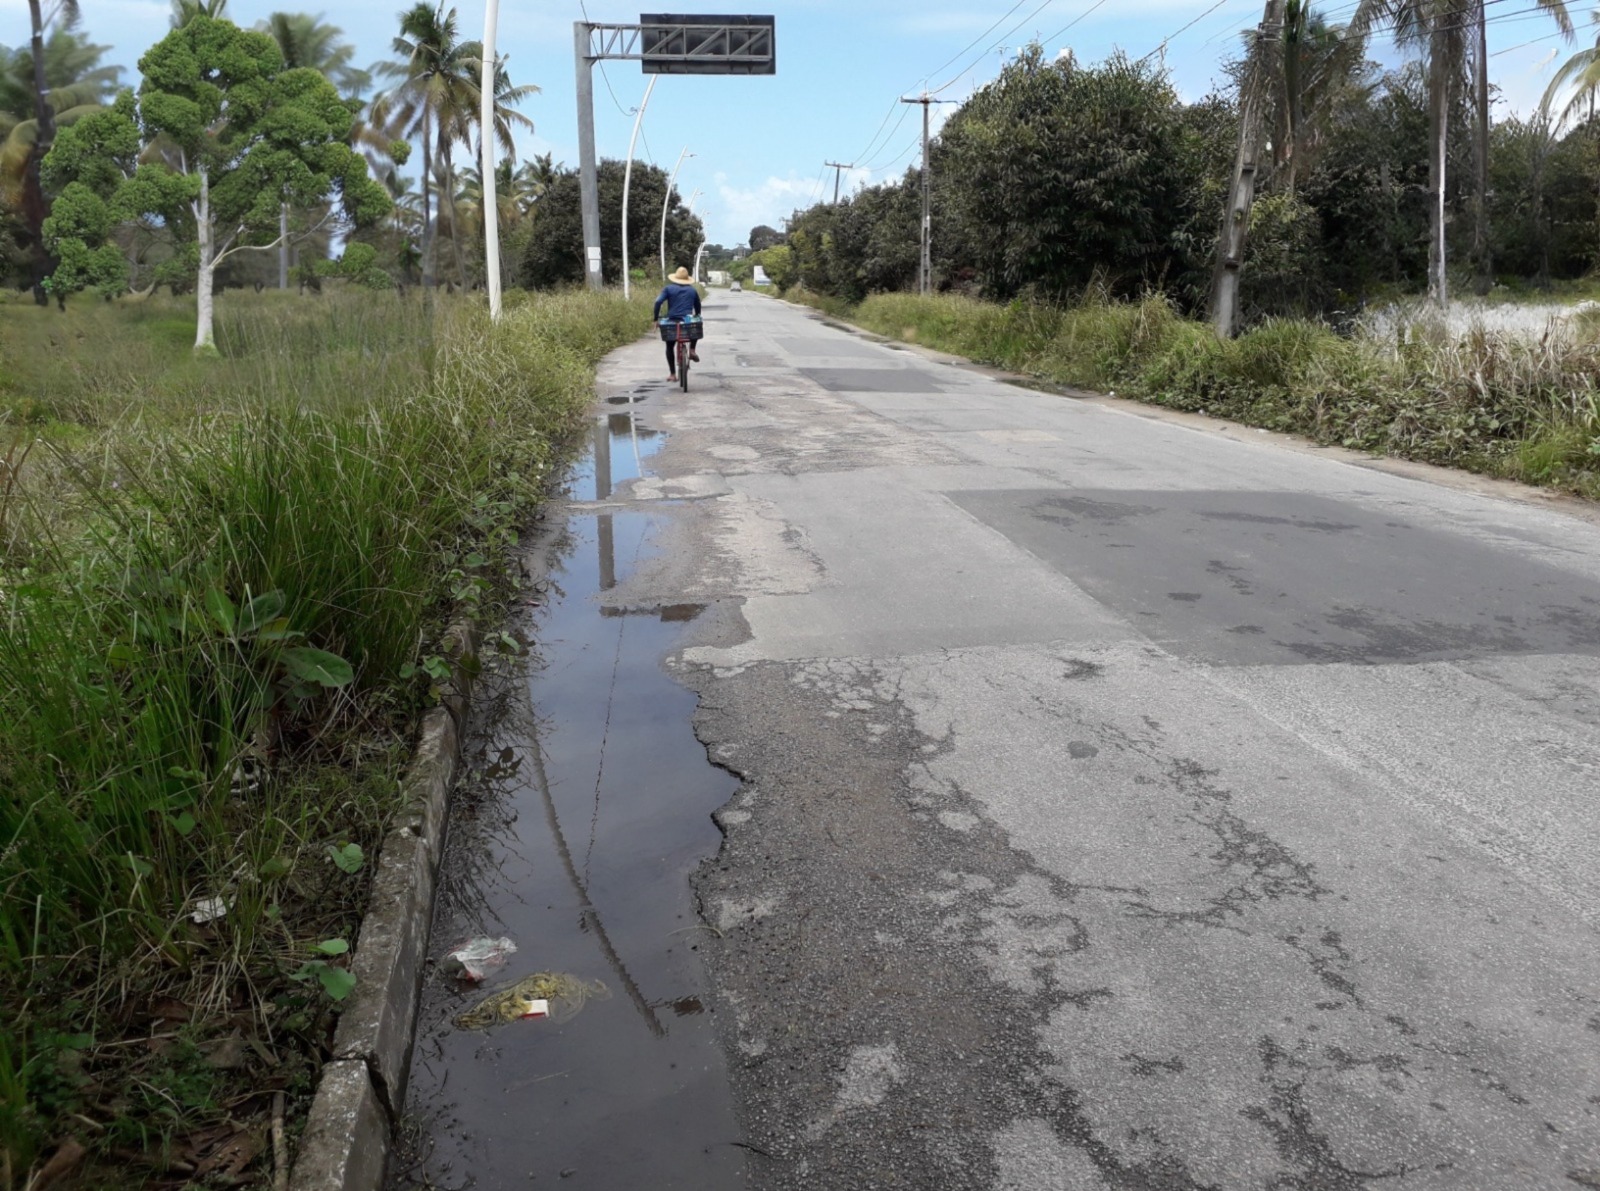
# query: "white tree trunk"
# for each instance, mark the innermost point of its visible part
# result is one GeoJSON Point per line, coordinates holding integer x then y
{"type": "Point", "coordinates": [283, 246]}
{"type": "Point", "coordinates": [1439, 121]}
{"type": "Point", "coordinates": [202, 288]}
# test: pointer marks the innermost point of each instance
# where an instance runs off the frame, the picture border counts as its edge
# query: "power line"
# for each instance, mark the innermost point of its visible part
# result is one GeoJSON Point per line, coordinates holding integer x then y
{"type": "Point", "coordinates": [1086, 12]}
{"type": "Point", "coordinates": [992, 48]}
{"type": "Point", "coordinates": [1524, 45]}
{"type": "Point", "coordinates": [904, 112]}
{"type": "Point", "coordinates": [1169, 37]}
{"type": "Point", "coordinates": [958, 54]}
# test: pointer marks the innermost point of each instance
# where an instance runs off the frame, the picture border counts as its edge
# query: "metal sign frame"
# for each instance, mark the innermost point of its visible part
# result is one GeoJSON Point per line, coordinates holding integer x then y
{"type": "Point", "coordinates": [661, 43]}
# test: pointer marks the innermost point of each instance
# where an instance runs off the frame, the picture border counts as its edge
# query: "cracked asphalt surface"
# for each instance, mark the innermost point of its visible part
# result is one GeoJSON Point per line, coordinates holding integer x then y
{"type": "Point", "coordinates": [1124, 802]}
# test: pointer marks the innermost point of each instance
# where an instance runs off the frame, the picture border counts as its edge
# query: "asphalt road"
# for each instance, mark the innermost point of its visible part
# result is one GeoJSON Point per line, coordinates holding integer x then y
{"type": "Point", "coordinates": [1126, 801]}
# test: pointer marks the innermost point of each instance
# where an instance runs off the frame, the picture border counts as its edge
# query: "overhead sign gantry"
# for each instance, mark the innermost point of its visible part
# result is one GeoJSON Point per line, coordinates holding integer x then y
{"type": "Point", "coordinates": [663, 44]}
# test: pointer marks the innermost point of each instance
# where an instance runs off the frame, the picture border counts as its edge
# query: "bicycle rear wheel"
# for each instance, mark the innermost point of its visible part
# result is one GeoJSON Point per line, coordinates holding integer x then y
{"type": "Point", "coordinates": [683, 364]}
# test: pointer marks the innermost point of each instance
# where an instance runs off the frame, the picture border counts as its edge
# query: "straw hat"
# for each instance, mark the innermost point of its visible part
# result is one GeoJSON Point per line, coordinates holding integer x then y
{"type": "Point", "coordinates": [681, 276]}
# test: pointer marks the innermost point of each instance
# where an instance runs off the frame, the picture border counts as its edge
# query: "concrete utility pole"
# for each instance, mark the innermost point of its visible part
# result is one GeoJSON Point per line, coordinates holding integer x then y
{"type": "Point", "coordinates": [1242, 190]}
{"type": "Point", "coordinates": [666, 205]}
{"type": "Point", "coordinates": [838, 168]}
{"type": "Point", "coordinates": [486, 166]}
{"type": "Point", "coordinates": [588, 175]}
{"type": "Point", "coordinates": [627, 182]}
{"type": "Point", "coordinates": [925, 270]}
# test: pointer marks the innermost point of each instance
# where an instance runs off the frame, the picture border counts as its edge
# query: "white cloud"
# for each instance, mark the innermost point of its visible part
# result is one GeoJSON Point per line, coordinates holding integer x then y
{"type": "Point", "coordinates": [770, 203]}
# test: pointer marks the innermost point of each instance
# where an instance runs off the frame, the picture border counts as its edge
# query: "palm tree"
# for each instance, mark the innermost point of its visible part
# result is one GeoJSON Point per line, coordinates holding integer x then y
{"type": "Point", "coordinates": [1320, 62]}
{"type": "Point", "coordinates": [34, 207]}
{"type": "Point", "coordinates": [430, 57]}
{"type": "Point", "coordinates": [184, 11]}
{"type": "Point", "coordinates": [436, 99]}
{"type": "Point", "coordinates": [308, 41]}
{"type": "Point", "coordinates": [76, 84]}
{"type": "Point", "coordinates": [1578, 83]}
{"type": "Point", "coordinates": [1443, 30]}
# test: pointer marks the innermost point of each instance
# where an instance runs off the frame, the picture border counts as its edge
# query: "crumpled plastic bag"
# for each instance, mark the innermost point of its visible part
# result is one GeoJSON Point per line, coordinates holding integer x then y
{"type": "Point", "coordinates": [562, 996]}
{"type": "Point", "coordinates": [476, 958]}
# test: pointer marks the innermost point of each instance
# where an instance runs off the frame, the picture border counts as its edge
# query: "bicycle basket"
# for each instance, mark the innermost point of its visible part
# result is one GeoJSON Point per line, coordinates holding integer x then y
{"type": "Point", "coordinates": [693, 330]}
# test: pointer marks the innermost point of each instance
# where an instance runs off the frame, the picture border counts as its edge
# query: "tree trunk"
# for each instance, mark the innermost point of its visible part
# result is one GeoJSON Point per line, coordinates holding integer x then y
{"type": "Point", "coordinates": [283, 246]}
{"type": "Point", "coordinates": [1482, 251]}
{"type": "Point", "coordinates": [202, 288]}
{"type": "Point", "coordinates": [35, 209]}
{"type": "Point", "coordinates": [455, 222]}
{"type": "Point", "coordinates": [427, 221]}
{"type": "Point", "coordinates": [1438, 128]}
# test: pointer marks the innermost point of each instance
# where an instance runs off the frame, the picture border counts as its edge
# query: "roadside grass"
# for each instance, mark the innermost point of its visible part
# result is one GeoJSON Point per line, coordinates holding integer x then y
{"type": "Point", "coordinates": [221, 582]}
{"type": "Point", "coordinates": [1524, 407]}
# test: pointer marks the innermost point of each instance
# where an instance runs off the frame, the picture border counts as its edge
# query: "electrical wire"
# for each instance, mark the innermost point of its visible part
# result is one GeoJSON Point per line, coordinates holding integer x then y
{"type": "Point", "coordinates": [1525, 44]}
{"type": "Point", "coordinates": [1169, 37]}
{"type": "Point", "coordinates": [905, 110]}
{"type": "Point", "coordinates": [1003, 37]}
{"type": "Point", "coordinates": [1086, 12]}
{"type": "Point", "coordinates": [962, 51]}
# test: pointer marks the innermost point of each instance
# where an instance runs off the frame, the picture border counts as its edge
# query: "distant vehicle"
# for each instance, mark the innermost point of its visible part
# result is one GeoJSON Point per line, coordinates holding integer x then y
{"type": "Point", "coordinates": [736, 288]}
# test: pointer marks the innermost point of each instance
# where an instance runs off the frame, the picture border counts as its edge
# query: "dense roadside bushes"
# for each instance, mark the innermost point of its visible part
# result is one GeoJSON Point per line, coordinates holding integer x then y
{"type": "Point", "coordinates": [220, 585]}
{"type": "Point", "coordinates": [1518, 406]}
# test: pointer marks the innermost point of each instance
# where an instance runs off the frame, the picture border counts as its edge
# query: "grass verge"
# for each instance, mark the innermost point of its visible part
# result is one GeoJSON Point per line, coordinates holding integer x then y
{"type": "Point", "coordinates": [1520, 407]}
{"type": "Point", "coordinates": [220, 581]}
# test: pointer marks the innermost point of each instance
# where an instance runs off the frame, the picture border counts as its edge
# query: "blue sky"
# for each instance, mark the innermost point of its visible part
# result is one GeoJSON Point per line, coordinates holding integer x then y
{"type": "Point", "coordinates": [759, 142]}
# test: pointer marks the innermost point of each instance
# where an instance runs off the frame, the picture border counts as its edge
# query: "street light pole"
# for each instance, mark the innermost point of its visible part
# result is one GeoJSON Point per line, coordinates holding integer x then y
{"type": "Point", "coordinates": [486, 164]}
{"type": "Point", "coordinates": [627, 181]}
{"type": "Point", "coordinates": [666, 204]}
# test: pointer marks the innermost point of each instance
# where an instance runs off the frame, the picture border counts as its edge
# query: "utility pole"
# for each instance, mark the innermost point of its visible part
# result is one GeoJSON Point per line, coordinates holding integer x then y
{"type": "Point", "coordinates": [588, 173]}
{"type": "Point", "coordinates": [838, 168]}
{"type": "Point", "coordinates": [1242, 190]}
{"type": "Point", "coordinates": [925, 271]}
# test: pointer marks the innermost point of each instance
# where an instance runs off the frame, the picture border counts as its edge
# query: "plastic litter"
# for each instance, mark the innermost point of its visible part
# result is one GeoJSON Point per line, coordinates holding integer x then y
{"type": "Point", "coordinates": [560, 995]}
{"type": "Point", "coordinates": [209, 909]}
{"type": "Point", "coordinates": [476, 958]}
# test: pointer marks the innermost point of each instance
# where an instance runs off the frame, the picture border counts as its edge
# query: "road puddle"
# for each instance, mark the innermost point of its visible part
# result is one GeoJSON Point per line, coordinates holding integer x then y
{"type": "Point", "coordinates": [587, 805]}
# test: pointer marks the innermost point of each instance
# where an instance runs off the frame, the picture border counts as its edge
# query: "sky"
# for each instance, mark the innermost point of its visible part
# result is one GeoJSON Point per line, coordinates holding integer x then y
{"type": "Point", "coordinates": [757, 144]}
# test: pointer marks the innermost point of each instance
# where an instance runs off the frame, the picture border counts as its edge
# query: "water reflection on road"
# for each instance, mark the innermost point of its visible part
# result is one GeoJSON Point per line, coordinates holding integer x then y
{"type": "Point", "coordinates": [588, 805]}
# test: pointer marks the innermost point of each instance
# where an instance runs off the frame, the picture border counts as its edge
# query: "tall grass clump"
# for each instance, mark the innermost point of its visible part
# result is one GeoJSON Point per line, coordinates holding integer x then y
{"type": "Point", "coordinates": [218, 596]}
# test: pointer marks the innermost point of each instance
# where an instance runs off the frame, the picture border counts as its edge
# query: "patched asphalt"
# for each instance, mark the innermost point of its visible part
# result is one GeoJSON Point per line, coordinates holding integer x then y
{"type": "Point", "coordinates": [1122, 804]}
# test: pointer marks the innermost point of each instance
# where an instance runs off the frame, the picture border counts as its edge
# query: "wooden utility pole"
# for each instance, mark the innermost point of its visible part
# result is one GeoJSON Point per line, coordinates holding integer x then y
{"type": "Point", "coordinates": [925, 270]}
{"type": "Point", "coordinates": [1242, 190]}
{"type": "Point", "coordinates": [838, 168]}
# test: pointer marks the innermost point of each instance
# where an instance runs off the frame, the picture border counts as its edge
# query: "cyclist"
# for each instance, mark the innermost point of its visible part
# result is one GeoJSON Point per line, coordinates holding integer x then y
{"type": "Point", "coordinates": [681, 299]}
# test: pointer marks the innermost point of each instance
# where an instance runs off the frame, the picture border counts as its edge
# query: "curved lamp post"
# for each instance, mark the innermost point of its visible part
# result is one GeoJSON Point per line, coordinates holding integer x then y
{"type": "Point", "coordinates": [666, 204]}
{"type": "Point", "coordinates": [627, 182]}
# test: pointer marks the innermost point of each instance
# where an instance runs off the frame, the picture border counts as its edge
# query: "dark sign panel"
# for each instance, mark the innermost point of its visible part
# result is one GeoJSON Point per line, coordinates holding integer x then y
{"type": "Point", "coordinates": [672, 44]}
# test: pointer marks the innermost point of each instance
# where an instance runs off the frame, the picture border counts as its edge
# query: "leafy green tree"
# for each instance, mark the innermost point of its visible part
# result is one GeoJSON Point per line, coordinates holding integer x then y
{"type": "Point", "coordinates": [762, 236]}
{"type": "Point", "coordinates": [1058, 174]}
{"type": "Point", "coordinates": [248, 134]}
{"type": "Point", "coordinates": [309, 43]}
{"type": "Point", "coordinates": [554, 252]}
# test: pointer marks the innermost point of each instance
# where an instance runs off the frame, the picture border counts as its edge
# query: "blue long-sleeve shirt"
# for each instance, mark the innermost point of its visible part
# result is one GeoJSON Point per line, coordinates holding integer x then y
{"type": "Point", "coordinates": [680, 300]}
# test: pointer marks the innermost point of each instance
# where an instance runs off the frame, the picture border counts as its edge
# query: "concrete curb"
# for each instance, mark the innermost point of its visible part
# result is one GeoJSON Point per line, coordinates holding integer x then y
{"type": "Point", "coordinates": [362, 1089]}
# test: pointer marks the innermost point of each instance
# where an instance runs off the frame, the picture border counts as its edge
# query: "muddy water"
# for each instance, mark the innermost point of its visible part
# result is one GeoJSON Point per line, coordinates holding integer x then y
{"type": "Point", "coordinates": [587, 806]}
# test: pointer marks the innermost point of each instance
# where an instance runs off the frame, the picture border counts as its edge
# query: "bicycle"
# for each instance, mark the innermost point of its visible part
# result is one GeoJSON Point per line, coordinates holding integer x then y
{"type": "Point", "coordinates": [685, 333]}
